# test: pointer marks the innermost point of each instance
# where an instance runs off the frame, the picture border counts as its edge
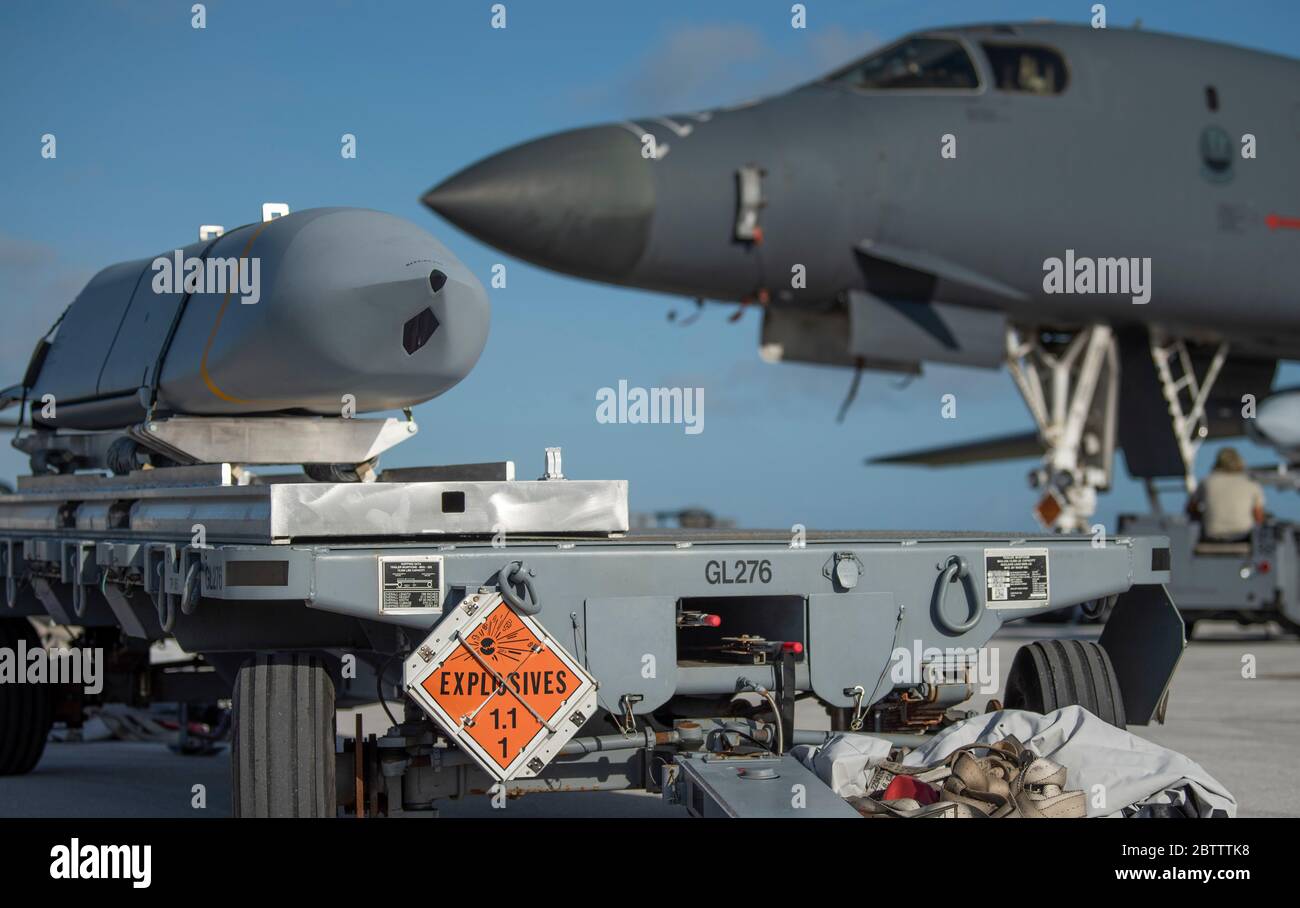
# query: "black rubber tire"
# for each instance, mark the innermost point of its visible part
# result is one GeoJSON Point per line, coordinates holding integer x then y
{"type": "Point", "coordinates": [26, 710]}
{"type": "Point", "coordinates": [282, 753]}
{"type": "Point", "coordinates": [123, 456]}
{"type": "Point", "coordinates": [1049, 674]}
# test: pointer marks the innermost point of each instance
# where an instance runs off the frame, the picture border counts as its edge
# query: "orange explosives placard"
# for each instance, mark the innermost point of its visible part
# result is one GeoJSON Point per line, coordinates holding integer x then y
{"type": "Point", "coordinates": [501, 687]}
{"type": "Point", "coordinates": [468, 685]}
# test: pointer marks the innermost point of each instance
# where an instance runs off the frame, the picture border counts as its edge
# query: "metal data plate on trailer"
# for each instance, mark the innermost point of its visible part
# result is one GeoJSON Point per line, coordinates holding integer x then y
{"type": "Point", "coordinates": [500, 686]}
{"type": "Point", "coordinates": [1016, 577]}
{"type": "Point", "coordinates": [411, 584]}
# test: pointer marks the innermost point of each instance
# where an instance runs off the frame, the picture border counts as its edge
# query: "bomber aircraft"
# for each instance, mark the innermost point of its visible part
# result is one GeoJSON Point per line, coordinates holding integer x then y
{"type": "Point", "coordinates": [1113, 214]}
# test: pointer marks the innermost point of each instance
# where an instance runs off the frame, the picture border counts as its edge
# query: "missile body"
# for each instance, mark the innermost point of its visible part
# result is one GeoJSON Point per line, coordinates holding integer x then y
{"type": "Point", "coordinates": [1277, 423]}
{"type": "Point", "coordinates": [318, 312]}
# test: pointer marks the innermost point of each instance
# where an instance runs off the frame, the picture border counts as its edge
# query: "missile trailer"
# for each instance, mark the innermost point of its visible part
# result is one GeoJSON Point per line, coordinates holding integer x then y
{"type": "Point", "coordinates": [536, 644]}
{"type": "Point", "coordinates": [629, 648]}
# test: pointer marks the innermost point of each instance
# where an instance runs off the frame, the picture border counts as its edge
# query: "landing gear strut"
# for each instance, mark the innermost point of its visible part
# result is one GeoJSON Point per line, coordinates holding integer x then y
{"type": "Point", "coordinates": [1070, 384]}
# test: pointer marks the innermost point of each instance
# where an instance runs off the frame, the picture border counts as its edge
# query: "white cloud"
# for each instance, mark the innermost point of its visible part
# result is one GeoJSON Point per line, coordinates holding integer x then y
{"type": "Point", "coordinates": [19, 253]}
{"type": "Point", "coordinates": [34, 288]}
{"type": "Point", "coordinates": [703, 65]}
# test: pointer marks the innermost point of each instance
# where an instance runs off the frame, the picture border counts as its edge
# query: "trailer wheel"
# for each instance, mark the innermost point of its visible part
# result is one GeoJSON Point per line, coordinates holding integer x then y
{"type": "Point", "coordinates": [1049, 674]}
{"type": "Point", "coordinates": [282, 759]}
{"type": "Point", "coordinates": [26, 710]}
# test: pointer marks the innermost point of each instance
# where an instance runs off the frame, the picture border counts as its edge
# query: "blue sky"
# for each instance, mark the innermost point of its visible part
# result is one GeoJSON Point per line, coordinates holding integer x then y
{"type": "Point", "coordinates": [161, 127]}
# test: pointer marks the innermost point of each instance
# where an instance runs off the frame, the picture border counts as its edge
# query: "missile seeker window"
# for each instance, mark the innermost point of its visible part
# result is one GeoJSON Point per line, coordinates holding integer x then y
{"type": "Point", "coordinates": [913, 63]}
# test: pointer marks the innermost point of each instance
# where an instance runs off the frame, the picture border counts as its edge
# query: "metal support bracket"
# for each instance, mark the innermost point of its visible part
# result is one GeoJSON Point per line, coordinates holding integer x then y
{"type": "Point", "coordinates": [12, 567]}
{"type": "Point", "coordinates": [81, 571]}
{"type": "Point", "coordinates": [1144, 637]}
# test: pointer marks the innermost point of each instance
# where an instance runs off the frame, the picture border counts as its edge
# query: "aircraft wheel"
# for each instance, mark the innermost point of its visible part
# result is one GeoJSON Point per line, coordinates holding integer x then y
{"type": "Point", "coordinates": [1049, 674]}
{"type": "Point", "coordinates": [26, 710]}
{"type": "Point", "coordinates": [282, 753]}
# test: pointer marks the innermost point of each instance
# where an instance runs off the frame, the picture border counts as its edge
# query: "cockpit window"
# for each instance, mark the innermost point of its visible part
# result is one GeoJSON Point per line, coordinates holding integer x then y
{"type": "Point", "coordinates": [1030, 69]}
{"type": "Point", "coordinates": [913, 63]}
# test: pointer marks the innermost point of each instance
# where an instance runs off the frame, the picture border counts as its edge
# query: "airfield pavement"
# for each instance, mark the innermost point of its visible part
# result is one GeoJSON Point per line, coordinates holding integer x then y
{"type": "Point", "coordinates": [1244, 731]}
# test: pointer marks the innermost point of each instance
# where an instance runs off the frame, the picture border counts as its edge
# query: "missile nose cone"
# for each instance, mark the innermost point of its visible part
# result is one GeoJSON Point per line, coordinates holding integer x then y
{"type": "Point", "coordinates": [1277, 420]}
{"type": "Point", "coordinates": [579, 201]}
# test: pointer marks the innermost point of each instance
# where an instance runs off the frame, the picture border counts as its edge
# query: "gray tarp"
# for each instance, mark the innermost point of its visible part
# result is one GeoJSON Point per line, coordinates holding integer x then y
{"type": "Point", "coordinates": [1120, 773]}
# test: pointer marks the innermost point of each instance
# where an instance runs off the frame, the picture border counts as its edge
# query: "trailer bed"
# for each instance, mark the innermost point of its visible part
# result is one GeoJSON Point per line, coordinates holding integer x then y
{"type": "Point", "coordinates": [666, 625]}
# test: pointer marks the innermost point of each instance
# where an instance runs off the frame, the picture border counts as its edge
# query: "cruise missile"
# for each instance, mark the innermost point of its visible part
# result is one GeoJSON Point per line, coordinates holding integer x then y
{"type": "Point", "coordinates": [326, 311]}
{"type": "Point", "coordinates": [1276, 423]}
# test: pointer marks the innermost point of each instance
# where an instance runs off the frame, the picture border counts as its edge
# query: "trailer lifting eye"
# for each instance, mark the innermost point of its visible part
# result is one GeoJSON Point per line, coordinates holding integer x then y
{"type": "Point", "coordinates": [955, 571]}
{"type": "Point", "coordinates": [516, 573]}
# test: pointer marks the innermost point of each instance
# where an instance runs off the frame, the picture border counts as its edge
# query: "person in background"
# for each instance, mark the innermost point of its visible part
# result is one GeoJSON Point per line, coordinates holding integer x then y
{"type": "Point", "coordinates": [1228, 503]}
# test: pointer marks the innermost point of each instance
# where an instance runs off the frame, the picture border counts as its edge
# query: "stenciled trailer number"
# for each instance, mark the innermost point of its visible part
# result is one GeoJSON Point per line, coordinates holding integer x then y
{"type": "Point", "coordinates": [738, 571]}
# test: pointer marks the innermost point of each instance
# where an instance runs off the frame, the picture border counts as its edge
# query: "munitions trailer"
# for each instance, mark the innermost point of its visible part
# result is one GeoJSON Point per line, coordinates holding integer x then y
{"type": "Point", "coordinates": [1251, 581]}
{"type": "Point", "coordinates": [537, 645]}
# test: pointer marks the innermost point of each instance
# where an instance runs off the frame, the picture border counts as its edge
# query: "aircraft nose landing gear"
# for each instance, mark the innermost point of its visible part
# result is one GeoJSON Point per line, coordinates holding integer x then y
{"type": "Point", "coordinates": [1070, 384]}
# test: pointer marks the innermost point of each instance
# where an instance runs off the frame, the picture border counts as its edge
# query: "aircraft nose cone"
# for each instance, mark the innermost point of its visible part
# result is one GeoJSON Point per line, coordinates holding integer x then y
{"type": "Point", "coordinates": [579, 201]}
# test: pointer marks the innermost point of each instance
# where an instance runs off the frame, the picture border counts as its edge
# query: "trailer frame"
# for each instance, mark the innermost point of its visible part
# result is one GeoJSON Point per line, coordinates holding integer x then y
{"type": "Point", "coordinates": [234, 565]}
